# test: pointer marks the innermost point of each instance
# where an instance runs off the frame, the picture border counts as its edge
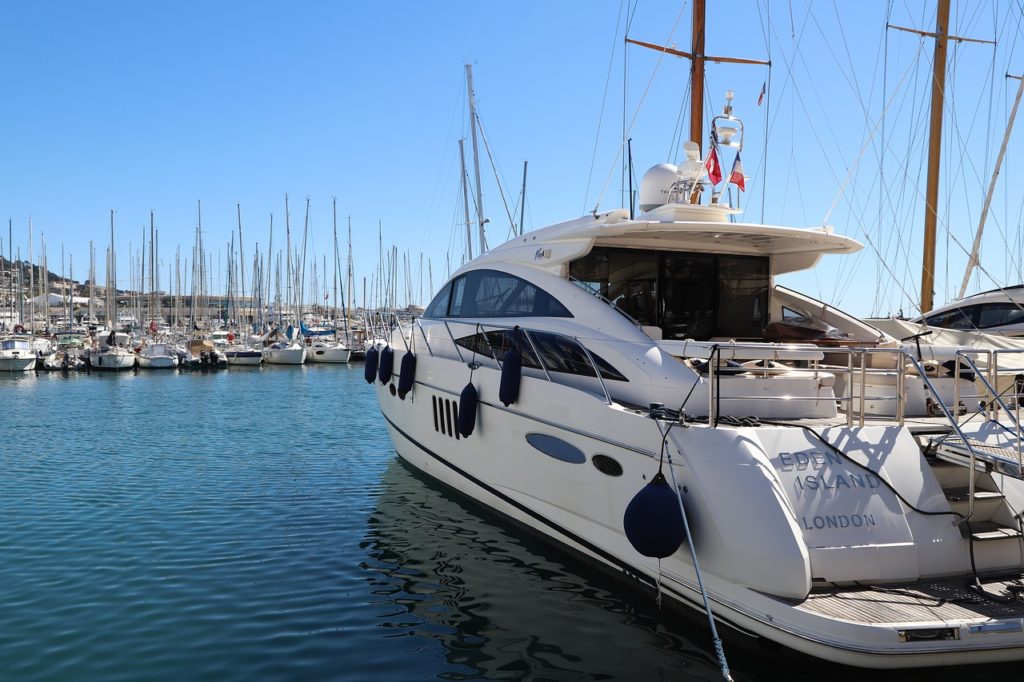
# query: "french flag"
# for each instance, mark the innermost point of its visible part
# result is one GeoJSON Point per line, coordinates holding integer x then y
{"type": "Point", "coordinates": [736, 175]}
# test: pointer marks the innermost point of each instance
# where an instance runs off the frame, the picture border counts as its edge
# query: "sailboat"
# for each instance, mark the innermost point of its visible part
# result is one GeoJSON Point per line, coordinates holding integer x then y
{"type": "Point", "coordinates": [325, 346]}
{"type": "Point", "coordinates": [283, 347]}
{"type": "Point", "coordinates": [110, 350]}
{"type": "Point", "coordinates": [676, 436]}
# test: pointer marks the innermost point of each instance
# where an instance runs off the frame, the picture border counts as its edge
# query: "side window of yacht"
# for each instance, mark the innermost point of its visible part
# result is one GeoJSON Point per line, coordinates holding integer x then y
{"type": "Point", "coordinates": [957, 318]}
{"type": "Point", "coordinates": [559, 353]}
{"type": "Point", "coordinates": [489, 293]}
{"type": "Point", "coordinates": [439, 306]}
{"type": "Point", "coordinates": [999, 314]}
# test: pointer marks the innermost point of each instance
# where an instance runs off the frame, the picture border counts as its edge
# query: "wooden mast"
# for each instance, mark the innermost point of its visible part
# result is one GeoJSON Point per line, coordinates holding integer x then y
{"type": "Point", "coordinates": [697, 79]}
{"type": "Point", "coordinates": [698, 59]}
{"type": "Point", "coordinates": [934, 152]}
{"type": "Point", "coordinates": [942, 38]}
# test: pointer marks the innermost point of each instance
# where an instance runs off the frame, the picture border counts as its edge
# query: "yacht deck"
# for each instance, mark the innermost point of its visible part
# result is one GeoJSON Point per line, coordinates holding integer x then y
{"type": "Point", "coordinates": [922, 602]}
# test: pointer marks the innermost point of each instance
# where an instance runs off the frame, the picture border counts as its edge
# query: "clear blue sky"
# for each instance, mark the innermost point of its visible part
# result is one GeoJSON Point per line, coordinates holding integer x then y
{"type": "Point", "coordinates": [154, 106]}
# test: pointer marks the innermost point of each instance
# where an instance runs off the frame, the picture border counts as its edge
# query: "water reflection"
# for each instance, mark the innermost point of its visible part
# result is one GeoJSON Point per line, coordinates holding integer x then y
{"type": "Point", "coordinates": [499, 604]}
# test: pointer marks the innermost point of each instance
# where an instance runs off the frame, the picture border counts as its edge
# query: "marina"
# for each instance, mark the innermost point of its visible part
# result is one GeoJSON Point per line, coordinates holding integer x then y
{"type": "Point", "coordinates": [166, 545]}
{"type": "Point", "coordinates": [293, 386]}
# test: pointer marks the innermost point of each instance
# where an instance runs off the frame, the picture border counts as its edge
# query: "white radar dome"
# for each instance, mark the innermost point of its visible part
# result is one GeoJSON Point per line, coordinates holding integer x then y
{"type": "Point", "coordinates": [656, 185]}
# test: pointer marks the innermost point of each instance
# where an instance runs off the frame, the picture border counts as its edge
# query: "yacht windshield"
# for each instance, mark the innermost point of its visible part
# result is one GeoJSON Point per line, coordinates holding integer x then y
{"type": "Point", "coordinates": [687, 295]}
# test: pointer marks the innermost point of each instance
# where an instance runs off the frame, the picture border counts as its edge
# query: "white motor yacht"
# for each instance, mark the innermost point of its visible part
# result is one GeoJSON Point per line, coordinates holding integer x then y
{"type": "Point", "coordinates": [639, 391]}
{"type": "Point", "coordinates": [111, 352]}
{"type": "Point", "coordinates": [17, 354]}
{"type": "Point", "coordinates": [327, 351]}
{"type": "Point", "coordinates": [158, 355]}
{"type": "Point", "coordinates": [284, 353]}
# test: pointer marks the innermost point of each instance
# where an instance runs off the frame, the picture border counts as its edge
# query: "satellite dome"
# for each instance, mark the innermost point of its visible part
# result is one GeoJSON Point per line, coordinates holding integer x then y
{"type": "Point", "coordinates": [656, 186]}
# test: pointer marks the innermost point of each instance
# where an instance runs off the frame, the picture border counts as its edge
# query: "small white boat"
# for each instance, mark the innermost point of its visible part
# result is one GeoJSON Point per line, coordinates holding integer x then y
{"type": "Point", "coordinates": [240, 354]}
{"type": "Point", "coordinates": [110, 353]}
{"type": "Point", "coordinates": [284, 353]}
{"type": "Point", "coordinates": [158, 356]}
{"type": "Point", "coordinates": [16, 354]}
{"type": "Point", "coordinates": [328, 352]}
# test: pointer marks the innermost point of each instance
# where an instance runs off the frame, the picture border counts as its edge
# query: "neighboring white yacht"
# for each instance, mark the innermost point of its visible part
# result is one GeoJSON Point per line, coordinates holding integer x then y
{"type": "Point", "coordinates": [17, 354]}
{"type": "Point", "coordinates": [628, 388]}
{"type": "Point", "coordinates": [158, 355]}
{"type": "Point", "coordinates": [243, 355]}
{"type": "Point", "coordinates": [110, 352]}
{"type": "Point", "coordinates": [284, 353]}
{"type": "Point", "coordinates": [327, 351]}
{"type": "Point", "coordinates": [283, 348]}
{"type": "Point", "coordinates": [1000, 311]}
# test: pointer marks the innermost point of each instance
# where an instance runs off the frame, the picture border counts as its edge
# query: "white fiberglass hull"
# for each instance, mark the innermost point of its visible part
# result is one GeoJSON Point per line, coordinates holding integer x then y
{"type": "Point", "coordinates": [16, 363]}
{"type": "Point", "coordinates": [328, 354]}
{"type": "Point", "coordinates": [759, 510]}
{"type": "Point", "coordinates": [244, 358]}
{"type": "Point", "coordinates": [158, 362]}
{"type": "Point", "coordinates": [284, 356]}
{"type": "Point", "coordinates": [113, 361]}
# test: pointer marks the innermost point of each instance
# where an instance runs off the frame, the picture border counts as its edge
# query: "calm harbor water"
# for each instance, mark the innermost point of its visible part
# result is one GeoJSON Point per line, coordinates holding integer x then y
{"type": "Point", "coordinates": [255, 524]}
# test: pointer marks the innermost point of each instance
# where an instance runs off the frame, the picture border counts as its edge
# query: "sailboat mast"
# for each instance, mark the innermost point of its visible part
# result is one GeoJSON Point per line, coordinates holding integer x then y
{"type": "Point", "coordinates": [697, 73]}
{"type": "Point", "coordinates": [241, 263]}
{"type": "Point", "coordinates": [31, 283]}
{"type": "Point", "coordinates": [972, 262]}
{"type": "Point", "coordinates": [934, 152]}
{"type": "Point", "coordinates": [350, 275]}
{"type": "Point", "coordinates": [465, 200]}
{"type": "Point", "coordinates": [476, 159]}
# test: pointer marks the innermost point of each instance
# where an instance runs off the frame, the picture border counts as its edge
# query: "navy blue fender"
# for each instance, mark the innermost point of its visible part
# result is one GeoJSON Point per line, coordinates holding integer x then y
{"type": "Point", "coordinates": [370, 371]}
{"type": "Point", "coordinates": [467, 410]}
{"type": "Point", "coordinates": [387, 364]}
{"type": "Point", "coordinates": [653, 520]}
{"type": "Point", "coordinates": [406, 373]}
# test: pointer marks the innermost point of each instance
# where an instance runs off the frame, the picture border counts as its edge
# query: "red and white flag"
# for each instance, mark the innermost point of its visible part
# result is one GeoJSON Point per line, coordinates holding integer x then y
{"type": "Point", "coordinates": [714, 167]}
{"type": "Point", "coordinates": [736, 174]}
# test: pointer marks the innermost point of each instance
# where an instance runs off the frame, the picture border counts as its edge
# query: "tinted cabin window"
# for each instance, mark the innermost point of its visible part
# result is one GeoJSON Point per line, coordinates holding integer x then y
{"type": "Point", "coordinates": [489, 293]}
{"type": "Point", "coordinates": [999, 314]}
{"type": "Point", "coordinates": [958, 318]}
{"type": "Point", "coordinates": [559, 353]}
{"type": "Point", "coordinates": [687, 295]}
{"type": "Point", "coordinates": [439, 306]}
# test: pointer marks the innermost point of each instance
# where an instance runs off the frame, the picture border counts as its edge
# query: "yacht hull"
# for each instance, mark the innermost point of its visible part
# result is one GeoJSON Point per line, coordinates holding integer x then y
{"type": "Point", "coordinates": [17, 363]}
{"type": "Point", "coordinates": [244, 358]}
{"type": "Point", "coordinates": [330, 354]}
{"type": "Point", "coordinates": [111, 362]}
{"type": "Point", "coordinates": [161, 362]}
{"type": "Point", "coordinates": [743, 495]}
{"type": "Point", "coordinates": [284, 356]}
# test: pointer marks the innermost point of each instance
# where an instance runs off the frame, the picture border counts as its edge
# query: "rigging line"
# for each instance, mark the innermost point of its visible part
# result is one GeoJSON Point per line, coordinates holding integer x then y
{"type": "Point", "coordinates": [765, 21]}
{"type": "Point", "coordinates": [604, 102]}
{"type": "Point", "coordinates": [860, 156]}
{"type": "Point", "coordinates": [846, 267]}
{"type": "Point", "coordinates": [435, 202]}
{"type": "Point", "coordinates": [498, 179]}
{"type": "Point", "coordinates": [876, 305]}
{"type": "Point", "coordinates": [636, 113]}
